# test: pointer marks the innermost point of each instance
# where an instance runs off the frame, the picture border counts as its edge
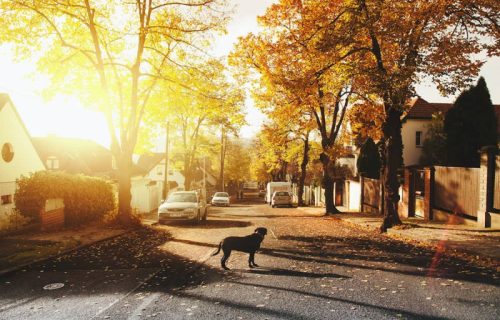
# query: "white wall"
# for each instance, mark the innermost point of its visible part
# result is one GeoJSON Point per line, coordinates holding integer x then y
{"type": "Point", "coordinates": [412, 153]}
{"type": "Point", "coordinates": [354, 192]}
{"type": "Point", "coordinates": [145, 197]}
{"type": "Point", "coordinates": [26, 159]}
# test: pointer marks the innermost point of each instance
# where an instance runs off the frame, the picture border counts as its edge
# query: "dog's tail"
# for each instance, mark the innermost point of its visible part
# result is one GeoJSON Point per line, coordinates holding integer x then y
{"type": "Point", "coordinates": [218, 249]}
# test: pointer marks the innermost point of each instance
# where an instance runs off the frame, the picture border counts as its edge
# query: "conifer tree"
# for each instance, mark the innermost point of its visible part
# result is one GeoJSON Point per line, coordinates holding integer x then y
{"type": "Point", "coordinates": [469, 125]}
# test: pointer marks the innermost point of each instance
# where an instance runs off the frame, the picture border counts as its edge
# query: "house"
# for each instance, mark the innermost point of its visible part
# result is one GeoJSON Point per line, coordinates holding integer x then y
{"type": "Point", "coordinates": [415, 124]}
{"type": "Point", "coordinates": [148, 181]}
{"type": "Point", "coordinates": [19, 156]}
{"type": "Point", "coordinates": [75, 156]}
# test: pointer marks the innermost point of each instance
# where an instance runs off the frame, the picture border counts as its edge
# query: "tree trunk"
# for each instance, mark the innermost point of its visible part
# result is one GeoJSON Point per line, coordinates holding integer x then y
{"type": "Point", "coordinates": [391, 154]}
{"type": "Point", "coordinates": [187, 173]}
{"type": "Point", "coordinates": [303, 168]}
{"type": "Point", "coordinates": [327, 183]}
{"type": "Point", "coordinates": [124, 189]}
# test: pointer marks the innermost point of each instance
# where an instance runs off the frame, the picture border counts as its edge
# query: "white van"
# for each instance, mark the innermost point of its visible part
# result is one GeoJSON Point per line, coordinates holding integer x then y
{"type": "Point", "coordinates": [277, 186]}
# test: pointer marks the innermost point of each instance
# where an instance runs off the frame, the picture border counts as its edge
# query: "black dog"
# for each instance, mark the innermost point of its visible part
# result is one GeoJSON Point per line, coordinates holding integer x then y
{"type": "Point", "coordinates": [248, 244]}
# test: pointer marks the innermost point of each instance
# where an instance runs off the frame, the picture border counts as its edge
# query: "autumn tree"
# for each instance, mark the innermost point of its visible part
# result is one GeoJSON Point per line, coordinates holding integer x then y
{"type": "Point", "coordinates": [116, 56]}
{"type": "Point", "coordinates": [395, 43]}
{"type": "Point", "coordinates": [196, 110]}
{"type": "Point", "coordinates": [239, 159]}
{"type": "Point", "coordinates": [285, 56]}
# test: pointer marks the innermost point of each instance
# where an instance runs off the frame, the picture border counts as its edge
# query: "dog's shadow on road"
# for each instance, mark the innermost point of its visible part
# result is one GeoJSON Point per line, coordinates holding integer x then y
{"type": "Point", "coordinates": [293, 273]}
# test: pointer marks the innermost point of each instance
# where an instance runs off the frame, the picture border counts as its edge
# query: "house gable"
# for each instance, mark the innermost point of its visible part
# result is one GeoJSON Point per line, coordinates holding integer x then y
{"type": "Point", "coordinates": [15, 136]}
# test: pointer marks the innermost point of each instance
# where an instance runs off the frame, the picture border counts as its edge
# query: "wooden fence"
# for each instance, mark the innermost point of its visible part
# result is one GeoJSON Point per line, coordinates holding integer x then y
{"type": "Point", "coordinates": [457, 190]}
{"type": "Point", "coordinates": [371, 193]}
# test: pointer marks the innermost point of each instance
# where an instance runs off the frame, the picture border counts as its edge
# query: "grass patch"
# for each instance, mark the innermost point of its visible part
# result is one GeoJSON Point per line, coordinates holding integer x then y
{"type": "Point", "coordinates": [18, 252]}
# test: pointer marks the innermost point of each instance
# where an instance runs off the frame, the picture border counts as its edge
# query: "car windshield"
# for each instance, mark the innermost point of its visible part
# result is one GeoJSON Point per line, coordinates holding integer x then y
{"type": "Point", "coordinates": [221, 194]}
{"type": "Point", "coordinates": [281, 193]}
{"type": "Point", "coordinates": [182, 197]}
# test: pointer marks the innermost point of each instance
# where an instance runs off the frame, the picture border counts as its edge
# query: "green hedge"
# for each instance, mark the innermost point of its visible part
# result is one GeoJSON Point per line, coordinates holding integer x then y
{"type": "Point", "coordinates": [85, 198]}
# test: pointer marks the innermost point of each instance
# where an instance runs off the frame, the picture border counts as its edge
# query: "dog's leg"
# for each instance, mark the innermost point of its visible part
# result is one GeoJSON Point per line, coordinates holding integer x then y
{"type": "Point", "coordinates": [226, 255]}
{"type": "Point", "coordinates": [251, 261]}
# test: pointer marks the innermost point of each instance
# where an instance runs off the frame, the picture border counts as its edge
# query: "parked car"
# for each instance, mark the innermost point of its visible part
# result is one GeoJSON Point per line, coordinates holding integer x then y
{"type": "Point", "coordinates": [183, 205]}
{"type": "Point", "coordinates": [221, 199]}
{"type": "Point", "coordinates": [281, 198]}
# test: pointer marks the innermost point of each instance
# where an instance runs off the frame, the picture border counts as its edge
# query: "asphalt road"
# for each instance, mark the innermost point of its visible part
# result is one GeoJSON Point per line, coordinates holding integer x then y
{"type": "Point", "coordinates": [311, 267]}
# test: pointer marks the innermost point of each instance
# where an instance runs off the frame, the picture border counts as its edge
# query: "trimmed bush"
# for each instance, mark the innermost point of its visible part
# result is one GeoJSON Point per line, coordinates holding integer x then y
{"type": "Point", "coordinates": [86, 198]}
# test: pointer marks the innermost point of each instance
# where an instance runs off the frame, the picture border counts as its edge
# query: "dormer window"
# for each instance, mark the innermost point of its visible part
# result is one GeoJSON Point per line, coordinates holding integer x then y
{"type": "Point", "coordinates": [52, 163]}
{"type": "Point", "coordinates": [7, 152]}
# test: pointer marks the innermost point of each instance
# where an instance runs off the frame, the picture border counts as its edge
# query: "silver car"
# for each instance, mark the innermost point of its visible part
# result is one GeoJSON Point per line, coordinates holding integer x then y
{"type": "Point", "coordinates": [221, 199]}
{"type": "Point", "coordinates": [281, 198]}
{"type": "Point", "coordinates": [183, 205]}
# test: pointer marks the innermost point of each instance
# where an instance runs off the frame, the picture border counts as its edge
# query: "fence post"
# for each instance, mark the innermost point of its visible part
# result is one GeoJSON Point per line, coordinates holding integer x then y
{"type": "Point", "coordinates": [381, 204]}
{"type": "Point", "coordinates": [486, 185]}
{"type": "Point", "coordinates": [428, 192]}
{"type": "Point", "coordinates": [411, 191]}
{"type": "Point", "coordinates": [406, 194]}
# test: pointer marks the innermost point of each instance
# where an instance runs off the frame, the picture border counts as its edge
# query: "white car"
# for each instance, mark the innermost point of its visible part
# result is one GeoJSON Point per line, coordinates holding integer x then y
{"type": "Point", "coordinates": [281, 198]}
{"type": "Point", "coordinates": [183, 205]}
{"type": "Point", "coordinates": [221, 199]}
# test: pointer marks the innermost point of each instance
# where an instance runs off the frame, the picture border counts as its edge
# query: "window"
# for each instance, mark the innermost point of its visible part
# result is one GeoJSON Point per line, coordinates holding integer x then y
{"type": "Point", "coordinates": [7, 152]}
{"type": "Point", "coordinates": [418, 138]}
{"type": "Point", "coordinates": [6, 199]}
{"type": "Point", "coordinates": [52, 163]}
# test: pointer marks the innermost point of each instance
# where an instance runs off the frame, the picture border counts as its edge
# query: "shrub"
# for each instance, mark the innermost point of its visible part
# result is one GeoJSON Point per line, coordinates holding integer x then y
{"type": "Point", "coordinates": [369, 162]}
{"type": "Point", "coordinates": [85, 198]}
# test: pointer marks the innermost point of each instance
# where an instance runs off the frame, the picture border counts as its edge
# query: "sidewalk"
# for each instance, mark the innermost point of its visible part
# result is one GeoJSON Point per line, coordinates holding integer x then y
{"type": "Point", "coordinates": [19, 251]}
{"type": "Point", "coordinates": [476, 242]}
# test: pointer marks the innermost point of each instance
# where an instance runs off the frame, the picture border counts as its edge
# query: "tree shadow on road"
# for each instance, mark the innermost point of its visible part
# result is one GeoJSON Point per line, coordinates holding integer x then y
{"type": "Point", "coordinates": [375, 254]}
{"type": "Point", "coordinates": [295, 315]}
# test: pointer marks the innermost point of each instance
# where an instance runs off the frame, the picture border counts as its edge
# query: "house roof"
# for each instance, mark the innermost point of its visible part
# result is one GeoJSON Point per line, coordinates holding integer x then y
{"type": "Point", "coordinates": [421, 109]}
{"type": "Point", "coordinates": [75, 155]}
{"type": "Point", "coordinates": [148, 161]}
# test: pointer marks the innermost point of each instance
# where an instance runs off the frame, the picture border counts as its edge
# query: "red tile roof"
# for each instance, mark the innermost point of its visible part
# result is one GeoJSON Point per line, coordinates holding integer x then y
{"type": "Point", "coordinates": [421, 109]}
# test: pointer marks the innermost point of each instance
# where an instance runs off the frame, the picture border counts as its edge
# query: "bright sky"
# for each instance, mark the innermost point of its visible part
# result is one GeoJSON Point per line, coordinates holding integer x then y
{"type": "Point", "coordinates": [66, 117]}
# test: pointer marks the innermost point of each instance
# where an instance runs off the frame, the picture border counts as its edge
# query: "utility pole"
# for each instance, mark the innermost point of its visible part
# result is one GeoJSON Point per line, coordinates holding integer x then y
{"type": "Point", "coordinates": [165, 181]}
{"type": "Point", "coordinates": [222, 157]}
{"type": "Point", "coordinates": [204, 178]}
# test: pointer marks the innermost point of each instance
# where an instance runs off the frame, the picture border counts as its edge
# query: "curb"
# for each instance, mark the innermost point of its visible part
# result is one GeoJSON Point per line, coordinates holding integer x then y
{"type": "Point", "coordinates": [36, 261]}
